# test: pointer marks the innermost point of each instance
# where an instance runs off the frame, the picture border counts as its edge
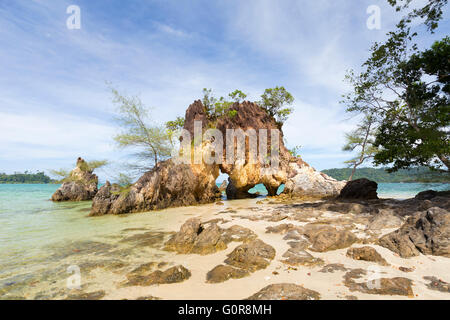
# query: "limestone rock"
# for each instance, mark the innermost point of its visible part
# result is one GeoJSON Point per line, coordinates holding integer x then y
{"type": "Point", "coordinates": [426, 233]}
{"type": "Point", "coordinates": [82, 184]}
{"type": "Point", "coordinates": [359, 189]}
{"type": "Point", "coordinates": [304, 181]}
{"type": "Point", "coordinates": [366, 254]}
{"type": "Point", "coordinates": [285, 291]}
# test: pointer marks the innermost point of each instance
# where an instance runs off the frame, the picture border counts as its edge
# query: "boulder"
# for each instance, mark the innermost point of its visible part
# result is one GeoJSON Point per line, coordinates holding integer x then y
{"type": "Point", "coordinates": [305, 182]}
{"type": "Point", "coordinates": [426, 233]}
{"type": "Point", "coordinates": [222, 273]}
{"type": "Point", "coordinates": [81, 185]}
{"type": "Point", "coordinates": [193, 237]}
{"type": "Point", "coordinates": [285, 291]}
{"type": "Point", "coordinates": [327, 238]}
{"type": "Point", "coordinates": [359, 189]}
{"type": "Point", "coordinates": [145, 278]}
{"type": "Point", "coordinates": [251, 256]}
{"type": "Point", "coordinates": [366, 254]}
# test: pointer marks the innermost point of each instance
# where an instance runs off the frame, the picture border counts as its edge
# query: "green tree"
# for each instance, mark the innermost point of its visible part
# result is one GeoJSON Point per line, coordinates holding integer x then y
{"type": "Point", "coordinates": [65, 175]}
{"type": "Point", "coordinates": [431, 11]}
{"type": "Point", "coordinates": [151, 141]}
{"type": "Point", "coordinates": [361, 140]}
{"type": "Point", "coordinates": [237, 96]}
{"type": "Point", "coordinates": [274, 101]}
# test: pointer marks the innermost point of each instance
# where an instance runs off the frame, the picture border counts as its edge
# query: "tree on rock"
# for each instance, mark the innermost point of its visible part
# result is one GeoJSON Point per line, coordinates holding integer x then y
{"type": "Point", "coordinates": [275, 101]}
{"type": "Point", "coordinates": [151, 142]}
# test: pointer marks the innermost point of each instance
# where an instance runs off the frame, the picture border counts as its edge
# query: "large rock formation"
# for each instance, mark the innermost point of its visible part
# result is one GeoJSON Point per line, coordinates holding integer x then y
{"type": "Point", "coordinates": [81, 184]}
{"type": "Point", "coordinates": [299, 178]}
{"type": "Point", "coordinates": [167, 185]}
{"type": "Point", "coordinates": [170, 184]}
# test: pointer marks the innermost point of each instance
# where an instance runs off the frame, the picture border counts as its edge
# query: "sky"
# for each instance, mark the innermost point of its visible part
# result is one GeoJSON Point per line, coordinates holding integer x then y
{"type": "Point", "coordinates": [55, 104]}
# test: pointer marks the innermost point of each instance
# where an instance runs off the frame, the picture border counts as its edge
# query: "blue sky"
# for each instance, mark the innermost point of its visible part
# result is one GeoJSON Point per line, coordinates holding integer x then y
{"type": "Point", "coordinates": [55, 105]}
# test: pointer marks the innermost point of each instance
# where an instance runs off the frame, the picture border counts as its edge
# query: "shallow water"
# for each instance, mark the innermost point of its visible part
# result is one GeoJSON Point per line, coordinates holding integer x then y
{"type": "Point", "coordinates": [39, 239]}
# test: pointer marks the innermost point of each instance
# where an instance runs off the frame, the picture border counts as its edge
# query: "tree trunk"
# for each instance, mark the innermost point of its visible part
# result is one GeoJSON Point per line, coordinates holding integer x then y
{"type": "Point", "coordinates": [353, 172]}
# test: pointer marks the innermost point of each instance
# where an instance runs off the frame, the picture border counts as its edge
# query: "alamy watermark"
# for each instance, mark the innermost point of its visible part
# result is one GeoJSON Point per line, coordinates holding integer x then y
{"type": "Point", "coordinates": [241, 147]}
{"type": "Point", "coordinates": [73, 22]}
{"type": "Point", "coordinates": [374, 20]}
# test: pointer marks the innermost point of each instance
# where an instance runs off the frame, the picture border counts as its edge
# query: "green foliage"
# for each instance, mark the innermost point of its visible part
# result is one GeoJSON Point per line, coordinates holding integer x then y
{"type": "Point", "coordinates": [152, 142]}
{"type": "Point", "coordinates": [96, 164]}
{"type": "Point", "coordinates": [295, 151]}
{"type": "Point", "coordinates": [175, 125]}
{"type": "Point", "coordinates": [274, 101]}
{"type": "Point", "coordinates": [62, 175]}
{"type": "Point", "coordinates": [416, 174]}
{"type": "Point", "coordinates": [431, 11]}
{"type": "Point", "coordinates": [407, 90]}
{"type": "Point", "coordinates": [217, 108]}
{"type": "Point", "coordinates": [26, 177]}
{"type": "Point", "coordinates": [362, 141]}
{"type": "Point", "coordinates": [237, 96]}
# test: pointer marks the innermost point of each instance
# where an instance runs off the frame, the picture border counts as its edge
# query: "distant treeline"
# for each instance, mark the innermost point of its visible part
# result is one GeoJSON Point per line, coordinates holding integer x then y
{"type": "Point", "coordinates": [420, 174]}
{"type": "Point", "coordinates": [26, 177]}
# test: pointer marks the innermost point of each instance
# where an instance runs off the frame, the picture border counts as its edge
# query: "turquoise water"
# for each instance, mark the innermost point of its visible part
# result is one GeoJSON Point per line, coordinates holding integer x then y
{"type": "Point", "coordinates": [385, 190]}
{"type": "Point", "coordinates": [35, 232]}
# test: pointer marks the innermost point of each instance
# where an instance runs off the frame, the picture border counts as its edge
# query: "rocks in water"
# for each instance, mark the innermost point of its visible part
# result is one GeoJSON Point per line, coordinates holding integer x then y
{"type": "Point", "coordinates": [366, 254]}
{"type": "Point", "coordinates": [81, 184]}
{"type": "Point", "coordinates": [305, 182]}
{"type": "Point", "coordinates": [437, 284]}
{"type": "Point", "coordinates": [105, 198]}
{"type": "Point", "coordinates": [253, 255]}
{"type": "Point", "coordinates": [143, 276]}
{"type": "Point", "coordinates": [222, 273]}
{"type": "Point", "coordinates": [426, 233]}
{"type": "Point", "coordinates": [285, 291]}
{"type": "Point", "coordinates": [168, 184]}
{"type": "Point", "coordinates": [359, 189]}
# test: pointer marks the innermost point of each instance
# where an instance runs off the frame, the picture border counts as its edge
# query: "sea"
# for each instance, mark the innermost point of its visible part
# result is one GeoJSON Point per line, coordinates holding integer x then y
{"type": "Point", "coordinates": [36, 234]}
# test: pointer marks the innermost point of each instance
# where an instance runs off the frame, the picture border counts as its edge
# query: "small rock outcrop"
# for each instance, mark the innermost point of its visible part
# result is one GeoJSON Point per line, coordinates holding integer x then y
{"type": "Point", "coordinates": [81, 185]}
{"type": "Point", "coordinates": [206, 238]}
{"type": "Point", "coordinates": [359, 189]}
{"type": "Point", "coordinates": [143, 276]}
{"type": "Point", "coordinates": [366, 254]}
{"type": "Point", "coordinates": [426, 233]}
{"type": "Point", "coordinates": [285, 291]}
{"type": "Point", "coordinates": [251, 256]}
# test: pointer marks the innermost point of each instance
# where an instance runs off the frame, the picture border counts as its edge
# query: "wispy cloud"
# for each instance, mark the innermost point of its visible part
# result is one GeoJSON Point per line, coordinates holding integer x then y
{"type": "Point", "coordinates": [55, 106]}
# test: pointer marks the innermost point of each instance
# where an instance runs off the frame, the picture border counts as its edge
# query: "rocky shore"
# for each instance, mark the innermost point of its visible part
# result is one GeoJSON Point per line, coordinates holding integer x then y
{"type": "Point", "coordinates": [271, 248]}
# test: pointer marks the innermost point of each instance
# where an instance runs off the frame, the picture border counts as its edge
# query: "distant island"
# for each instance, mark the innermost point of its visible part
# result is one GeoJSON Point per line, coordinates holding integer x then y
{"type": "Point", "coordinates": [26, 177]}
{"type": "Point", "coordinates": [419, 174]}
